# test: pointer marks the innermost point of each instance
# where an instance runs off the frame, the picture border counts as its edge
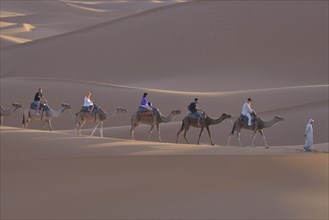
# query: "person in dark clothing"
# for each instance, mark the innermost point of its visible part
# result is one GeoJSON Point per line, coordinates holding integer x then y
{"type": "Point", "coordinates": [194, 110]}
{"type": "Point", "coordinates": [37, 99]}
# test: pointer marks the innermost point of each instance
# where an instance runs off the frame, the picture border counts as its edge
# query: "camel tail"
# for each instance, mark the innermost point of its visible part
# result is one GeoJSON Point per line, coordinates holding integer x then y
{"type": "Point", "coordinates": [23, 119]}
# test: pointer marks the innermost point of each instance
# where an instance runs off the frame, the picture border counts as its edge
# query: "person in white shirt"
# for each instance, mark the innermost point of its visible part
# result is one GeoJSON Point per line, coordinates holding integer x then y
{"type": "Point", "coordinates": [246, 110]}
{"type": "Point", "coordinates": [309, 136]}
{"type": "Point", "coordinates": [87, 102]}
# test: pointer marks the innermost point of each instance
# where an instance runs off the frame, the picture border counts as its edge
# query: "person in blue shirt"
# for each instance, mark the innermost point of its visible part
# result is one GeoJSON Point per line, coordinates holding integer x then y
{"type": "Point", "coordinates": [145, 103]}
{"type": "Point", "coordinates": [148, 106]}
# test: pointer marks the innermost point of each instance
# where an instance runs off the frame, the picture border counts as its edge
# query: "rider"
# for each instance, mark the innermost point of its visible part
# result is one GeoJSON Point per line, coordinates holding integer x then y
{"type": "Point", "coordinates": [247, 110]}
{"type": "Point", "coordinates": [145, 102]}
{"type": "Point", "coordinates": [87, 103]}
{"type": "Point", "coordinates": [194, 110]}
{"type": "Point", "coordinates": [148, 105]}
{"type": "Point", "coordinates": [37, 98]}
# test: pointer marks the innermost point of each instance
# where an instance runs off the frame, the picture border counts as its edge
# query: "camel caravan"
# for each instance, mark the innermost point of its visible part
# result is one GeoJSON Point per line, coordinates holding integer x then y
{"type": "Point", "coordinates": [147, 114]}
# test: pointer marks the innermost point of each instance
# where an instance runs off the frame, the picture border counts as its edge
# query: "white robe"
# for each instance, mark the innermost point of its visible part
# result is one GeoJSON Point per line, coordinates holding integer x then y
{"type": "Point", "coordinates": [246, 110]}
{"type": "Point", "coordinates": [308, 136]}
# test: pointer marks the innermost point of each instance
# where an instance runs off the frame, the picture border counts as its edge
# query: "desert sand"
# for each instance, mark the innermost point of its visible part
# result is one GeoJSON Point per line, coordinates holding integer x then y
{"type": "Point", "coordinates": [221, 52]}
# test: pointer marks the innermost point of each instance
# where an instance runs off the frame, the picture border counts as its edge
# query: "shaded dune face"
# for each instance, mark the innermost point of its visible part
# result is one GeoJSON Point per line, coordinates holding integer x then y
{"type": "Point", "coordinates": [204, 181]}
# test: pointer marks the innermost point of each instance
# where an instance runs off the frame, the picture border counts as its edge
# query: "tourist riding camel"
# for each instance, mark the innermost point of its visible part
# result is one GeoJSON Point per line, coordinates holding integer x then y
{"type": "Point", "coordinates": [201, 122]}
{"type": "Point", "coordinates": [146, 107]}
{"type": "Point", "coordinates": [247, 111]}
{"type": "Point", "coordinates": [195, 112]}
{"type": "Point", "coordinates": [140, 118]}
{"type": "Point", "coordinates": [97, 116]}
{"type": "Point", "coordinates": [46, 115]}
{"type": "Point", "coordinates": [259, 126]}
{"type": "Point", "coordinates": [37, 100]}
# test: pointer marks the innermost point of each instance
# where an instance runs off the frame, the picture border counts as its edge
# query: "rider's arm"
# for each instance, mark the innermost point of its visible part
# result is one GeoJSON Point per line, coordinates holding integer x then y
{"type": "Point", "coordinates": [44, 98]}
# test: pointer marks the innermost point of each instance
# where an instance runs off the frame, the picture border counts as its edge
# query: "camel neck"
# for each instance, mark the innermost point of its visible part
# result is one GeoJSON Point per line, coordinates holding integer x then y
{"type": "Point", "coordinates": [10, 111]}
{"type": "Point", "coordinates": [216, 121]}
{"type": "Point", "coordinates": [268, 124]}
{"type": "Point", "coordinates": [57, 113]}
{"type": "Point", "coordinates": [168, 118]}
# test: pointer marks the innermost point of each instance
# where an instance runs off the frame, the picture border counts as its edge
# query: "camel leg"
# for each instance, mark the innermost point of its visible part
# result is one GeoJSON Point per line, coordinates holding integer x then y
{"type": "Point", "coordinates": [158, 129]}
{"type": "Point", "coordinates": [185, 137]}
{"type": "Point", "coordinates": [150, 132]}
{"type": "Point", "coordinates": [77, 128]}
{"type": "Point", "coordinates": [50, 126]}
{"type": "Point", "coordinates": [92, 133]}
{"type": "Point", "coordinates": [178, 133]}
{"type": "Point", "coordinates": [212, 142]}
{"type": "Point", "coordinates": [253, 139]}
{"type": "Point", "coordinates": [132, 132]}
{"type": "Point", "coordinates": [101, 130]}
{"type": "Point", "coordinates": [25, 121]}
{"type": "Point", "coordinates": [229, 140]}
{"type": "Point", "coordinates": [44, 123]}
{"type": "Point", "coordinates": [239, 138]}
{"type": "Point", "coordinates": [264, 138]}
{"type": "Point", "coordinates": [202, 128]}
{"type": "Point", "coordinates": [81, 125]}
{"type": "Point", "coordinates": [24, 125]}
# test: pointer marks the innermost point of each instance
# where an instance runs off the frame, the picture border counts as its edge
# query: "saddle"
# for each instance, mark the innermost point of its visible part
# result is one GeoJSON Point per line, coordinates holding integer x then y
{"type": "Point", "coordinates": [42, 107]}
{"type": "Point", "coordinates": [91, 109]}
{"type": "Point", "coordinates": [144, 111]}
{"type": "Point", "coordinates": [194, 116]}
{"type": "Point", "coordinates": [245, 119]}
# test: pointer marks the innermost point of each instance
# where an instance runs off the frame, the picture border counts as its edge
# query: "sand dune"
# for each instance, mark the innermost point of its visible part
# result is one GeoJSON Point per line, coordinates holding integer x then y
{"type": "Point", "coordinates": [60, 176]}
{"type": "Point", "coordinates": [220, 51]}
{"type": "Point", "coordinates": [213, 48]}
{"type": "Point", "coordinates": [52, 18]}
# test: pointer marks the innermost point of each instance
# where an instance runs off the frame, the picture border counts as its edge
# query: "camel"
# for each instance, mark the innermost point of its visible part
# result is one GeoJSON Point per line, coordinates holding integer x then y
{"type": "Point", "coordinates": [139, 118]}
{"type": "Point", "coordinates": [8, 112]}
{"type": "Point", "coordinates": [204, 123]}
{"type": "Point", "coordinates": [98, 118]}
{"type": "Point", "coordinates": [45, 116]}
{"type": "Point", "coordinates": [260, 125]}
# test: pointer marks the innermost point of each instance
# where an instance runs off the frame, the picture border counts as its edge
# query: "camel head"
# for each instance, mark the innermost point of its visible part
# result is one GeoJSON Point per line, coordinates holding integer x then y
{"type": "Point", "coordinates": [278, 118]}
{"type": "Point", "coordinates": [17, 105]}
{"type": "Point", "coordinates": [66, 106]}
{"type": "Point", "coordinates": [224, 115]}
{"type": "Point", "coordinates": [121, 110]}
{"type": "Point", "coordinates": [176, 112]}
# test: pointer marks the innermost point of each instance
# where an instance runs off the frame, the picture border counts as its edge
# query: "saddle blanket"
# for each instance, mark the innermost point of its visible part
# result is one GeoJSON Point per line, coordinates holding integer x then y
{"type": "Point", "coordinates": [34, 106]}
{"type": "Point", "coordinates": [245, 119]}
